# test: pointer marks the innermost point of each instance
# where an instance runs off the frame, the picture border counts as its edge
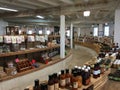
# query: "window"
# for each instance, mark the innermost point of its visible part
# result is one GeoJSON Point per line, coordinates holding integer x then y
{"type": "Point", "coordinates": [106, 31]}
{"type": "Point", "coordinates": [48, 32]}
{"type": "Point", "coordinates": [95, 32]}
{"type": "Point", "coordinates": [40, 32]}
{"type": "Point", "coordinates": [68, 33]}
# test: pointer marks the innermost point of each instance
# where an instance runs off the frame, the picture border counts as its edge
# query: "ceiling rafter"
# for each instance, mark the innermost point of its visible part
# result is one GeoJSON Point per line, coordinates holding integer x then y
{"type": "Point", "coordinates": [49, 2]}
{"type": "Point", "coordinates": [67, 1]}
{"type": "Point", "coordinates": [101, 11]}
{"type": "Point", "coordinates": [17, 4]}
{"type": "Point", "coordinates": [32, 3]}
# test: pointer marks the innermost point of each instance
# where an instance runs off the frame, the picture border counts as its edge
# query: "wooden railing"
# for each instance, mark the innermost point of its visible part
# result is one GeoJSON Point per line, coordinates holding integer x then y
{"type": "Point", "coordinates": [92, 46]}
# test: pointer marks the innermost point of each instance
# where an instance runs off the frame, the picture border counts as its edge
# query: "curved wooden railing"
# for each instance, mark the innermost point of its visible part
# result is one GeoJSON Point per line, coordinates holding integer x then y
{"type": "Point", "coordinates": [92, 46]}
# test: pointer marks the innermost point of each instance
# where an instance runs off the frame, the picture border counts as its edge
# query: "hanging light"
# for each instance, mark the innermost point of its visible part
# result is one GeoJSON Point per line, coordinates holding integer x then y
{"type": "Point", "coordinates": [86, 13]}
{"type": "Point", "coordinates": [38, 16]}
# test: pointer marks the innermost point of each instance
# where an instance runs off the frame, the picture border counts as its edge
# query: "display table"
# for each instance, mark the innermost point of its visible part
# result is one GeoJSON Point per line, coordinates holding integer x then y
{"type": "Point", "coordinates": [98, 83]}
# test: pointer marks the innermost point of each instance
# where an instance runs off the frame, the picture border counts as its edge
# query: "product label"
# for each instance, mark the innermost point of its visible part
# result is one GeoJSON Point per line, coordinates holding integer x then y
{"type": "Point", "coordinates": [51, 87]}
{"type": "Point", "coordinates": [95, 72]}
{"type": "Point", "coordinates": [75, 84]}
{"type": "Point", "coordinates": [62, 82]}
{"type": "Point", "coordinates": [67, 80]}
{"type": "Point", "coordinates": [56, 86]}
{"type": "Point", "coordinates": [99, 71]}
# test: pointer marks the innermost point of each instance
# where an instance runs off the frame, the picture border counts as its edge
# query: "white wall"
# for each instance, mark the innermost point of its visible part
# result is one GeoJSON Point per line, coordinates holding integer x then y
{"type": "Point", "coordinates": [111, 29]}
{"type": "Point", "coordinates": [86, 31]}
{"type": "Point", "coordinates": [3, 25]}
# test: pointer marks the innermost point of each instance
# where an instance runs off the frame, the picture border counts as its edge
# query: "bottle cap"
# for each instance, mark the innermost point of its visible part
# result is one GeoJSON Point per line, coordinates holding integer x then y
{"type": "Point", "coordinates": [79, 67]}
{"type": "Point", "coordinates": [84, 66]}
{"type": "Point", "coordinates": [55, 75]}
{"type": "Point", "coordinates": [59, 73]}
{"type": "Point", "coordinates": [76, 66]}
{"type": "Point", "coordinates": [62, 71]}
{"type": "Point", "coordinates": [88, 68]}
{"type": "Point", "coordinates": [50, 76]}
{"type": "Point", "coordinates": [67, 70]}
{"type": "Point", "coordinates": [36, 82]}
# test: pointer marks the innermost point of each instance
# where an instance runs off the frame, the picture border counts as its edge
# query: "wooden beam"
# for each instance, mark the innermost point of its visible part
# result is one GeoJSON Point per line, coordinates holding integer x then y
{"type": "Point", "coordinates": [17, 4]}
{"type": "Point", "coordinates": [67, 1]}
{"type": "Point", "coordinates": [31, 2]}
{"type": "Point", "coordinates": [50, 2]}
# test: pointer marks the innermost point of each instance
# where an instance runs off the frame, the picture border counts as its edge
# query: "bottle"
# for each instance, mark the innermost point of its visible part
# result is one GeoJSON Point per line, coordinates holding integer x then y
{"type": "Point", "coordinates": [96, 71]}
{"type": "Point", "coordinates": [99, 69]}
{"type": "Point", "coordinates": [82, 73]}
{"type": "Point", "coordinates": [44, 86]}
{"type": "Point", "coordinates": [86, 78]}
{"type": "Point", "coordinates": [68, 77]}
{"type": "Point", "coordinates": [36, 85]}
{"type": "Point", "coordinates": [89, 70]}
{"type": "Point", "coordinates": [62, 79]}
{"type": "Point", "coordinates": [56, 82]}
{"type": "Point", "coordinates": [72, 72]}
{"type": "Point", "coordinates": [76, 68]}
{"type": "Point", "coordinates": [79, 77]}
{"type": "Point", "coordinates": [50, 83]}
{"type": "Point", "coordinates": [75, 82]}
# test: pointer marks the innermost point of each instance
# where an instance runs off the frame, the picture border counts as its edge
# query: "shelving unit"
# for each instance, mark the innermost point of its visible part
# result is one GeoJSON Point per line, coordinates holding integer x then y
{"type": "Point", "coordinates": [27, 51]}
{"type": "Point", "coordinates": [33, 47]}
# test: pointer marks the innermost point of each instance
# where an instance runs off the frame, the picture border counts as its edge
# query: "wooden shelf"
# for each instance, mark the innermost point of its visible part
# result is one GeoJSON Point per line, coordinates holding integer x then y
{"type": "Point", "coordinates": [55, 60]}
{"type": "Point", "coordinates": [54, 36]}
{"type": "Point", "coordinates": [27, 51]}
{"type": "Point", "coordinates": [98, 83]}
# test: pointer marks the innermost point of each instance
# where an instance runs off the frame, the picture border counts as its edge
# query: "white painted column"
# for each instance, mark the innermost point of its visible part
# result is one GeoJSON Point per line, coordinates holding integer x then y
{"type": "Point", "coordinates": [100, 29]}
{"type": "Point", "coordinates": [78, 32]}
{"type": "Point", "coordinates": [117, 27]}
{"type": "Point", "coordinates": [62, 36]}
{"type": "Point", "coordinates": [71, 36]}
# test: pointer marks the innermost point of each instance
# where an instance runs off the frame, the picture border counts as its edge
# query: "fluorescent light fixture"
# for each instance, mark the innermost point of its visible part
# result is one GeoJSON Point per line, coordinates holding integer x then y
{"type": "Point", "coordinates": [38, 16]}
{"type": "Point", "coordinates": [8, 9]}
{"type": "Point", "coordinates": [86, 13]}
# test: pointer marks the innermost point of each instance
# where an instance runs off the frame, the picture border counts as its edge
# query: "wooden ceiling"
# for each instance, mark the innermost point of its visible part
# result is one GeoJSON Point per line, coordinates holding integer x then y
{"type": "Point", "coordinates": [101, 11]}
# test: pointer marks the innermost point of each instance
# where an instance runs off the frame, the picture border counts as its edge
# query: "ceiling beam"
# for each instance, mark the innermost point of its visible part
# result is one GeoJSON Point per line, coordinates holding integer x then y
{"type": "Point", "coordinates": [29, 20]}
{"type": "Point", "coordinates": [32, 3]}
{"type": "Point", "coordinates": [17, 4]}
{"type": "Point", "coordinates": [88, 21]}
{"type": "Point", "coordinates": [49, 2]}
{"type": "Point", "coordinates": [67, 1]}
